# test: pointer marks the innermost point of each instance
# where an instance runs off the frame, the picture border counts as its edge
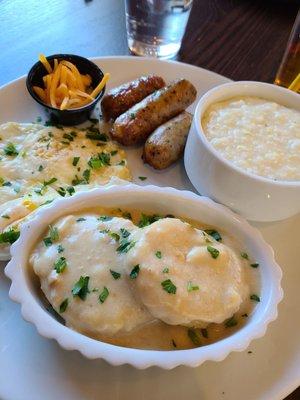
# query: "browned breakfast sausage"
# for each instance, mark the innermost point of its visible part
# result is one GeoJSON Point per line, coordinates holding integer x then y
{"type": "Point", "coordinates": [121, 98]}
{"type": "Point", "coordinates": [134, 126]}
{"type": "Point", "coordinates": [166, 144]}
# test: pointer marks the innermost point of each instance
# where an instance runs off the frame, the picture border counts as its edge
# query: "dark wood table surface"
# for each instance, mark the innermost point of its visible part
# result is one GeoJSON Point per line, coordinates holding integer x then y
{"type": "Point", "coordinates": [241, 39]}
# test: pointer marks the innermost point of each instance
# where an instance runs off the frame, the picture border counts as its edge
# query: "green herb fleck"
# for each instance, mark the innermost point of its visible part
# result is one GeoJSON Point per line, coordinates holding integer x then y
{"type": "Point", "coordinates": [86, 175]}
{"type": "Point", "coordinates": [101, 160]}
{"type": "Point", "coordinates": [115, 275]}
{"type": "Point", "coordinates": [215, 234]}
{"type": "Point", "coordinates": [81, 288]}
{"type": "Point", "coordinates": [5, 216]}
{"type": "Point", "coordinates": [68, 137]}
{"type": "Point", "coordinates": [104, 218]}
{"type": "Point", "coordinates": [53, 236]}
{"type": "Point", "coordinates": [158, 254]}
{"type": "Point", "coordinates": [77, 181]}
{"type": "Point", "coordinates": [124, 233]}
{"type": "Point", "coordinates": [254, 265]}
{"type": "Point", "coordinates": [245, 255]}
{"type": "Point", "coordinates": [9, 236]}
{"type": "Point", "coordinates": [132, 115]}
{"type": "Point", "coordinates": [126, 215]}
{"type": "Point", "coordinates": [191, 287]}
{"type": "Point", "coordinates": [169, 286]}
{"type": "Point", "coordinates": [10, 150]}
{"type": "Point", "coordinates": [254, 297]}
{"type": "Point", "coordinates": [125, 246]}
{"type": "Point", "coordinates": [103, 295]}
{"type": "Point", "coordinates": [122, 162]}
{"type": "Point", "coordinates": [229, 323]}
{"type": "Point", "coordinates": [81, 219]}
{"type": "Point", "coordinates": [40, 168]}
{"type": "Point", "coordinates": [94, 134]}
{"type": "Point", "coordinates": [63, 305]}
{"type": "Point", "coordinates": [75, 161]}
{"type": "Point", "coordinates": [52, 180]}
{"type": "Point", "coordinates": [61, 191]}
{"type": "Point", "coordinates": [165, 270]}
{"type": "Point", "coordinates": [204, 333]}
{"type": "Point", "coordinates": [70, 190]}
{"type": "Point", "coordinates": [135, 271]}
{"type": "Point", "coordinates": [148, 220]}
{"type": "Point", "coordinates": [113, 152]}
{"type": "Point", "coordinates": [213, 251]}
{"type": "Point", "coordinates": [60, 265]}
{"type": "Point", "coordinates": [194, 336]}
{"type": "Point", "coordinates": [114, 236]}
{"type": "Point", "coordinates": [142, 178]}
{"type": "Point", "coordinates": [60, 249]}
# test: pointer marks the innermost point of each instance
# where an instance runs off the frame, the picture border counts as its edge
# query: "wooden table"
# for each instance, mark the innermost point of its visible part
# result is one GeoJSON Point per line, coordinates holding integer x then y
{"type": "Point", "coordinates": [240, 39]}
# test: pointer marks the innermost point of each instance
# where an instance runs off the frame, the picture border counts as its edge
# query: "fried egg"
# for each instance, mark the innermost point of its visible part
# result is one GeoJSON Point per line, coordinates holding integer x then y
{"type": "Point", "coordinates": [40, 163]}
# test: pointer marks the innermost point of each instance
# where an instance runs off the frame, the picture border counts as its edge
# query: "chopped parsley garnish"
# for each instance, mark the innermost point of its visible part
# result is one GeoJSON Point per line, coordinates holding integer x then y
{"type": "Point", "coordinates": [169, 286]}
{"type": "Point", "coordinates": [40, 168]}
{"type": "Point", "coordinates": [113, 152]}
{"type": "Point", "coordinates": [229, 323]}
{"type": "Point", "coordinates": [70, 190]}
{"type": "Point", "coordinates": [60, 249]}
{"type": "Point", "coordinates": [122, 162]}
{"type": "Point", "coordinates": [127, 215]}
{"type": "Point", "coordinates": [245, 256]}
{"type": "Point", "coordinates": [103, 295]}
{"type": "Point", "coordinates": [132, 115]}
{"type": "Point", "coordinates": [194, 336]}
{"type": "Point", "coordinates": [135, 271]}
{"type": "Point", "coordinates": [165, 270]}
{"type": "Point", "coordinates": [213, 251]}
{"type": "Point", "coordinates": [215, 234]}
{"type": "Point", "coordinates": [9, 236]}
{"type": "Point", "coordinates": [7, 183]}
{"type": "Point", "coordinates": [191, 287]}
{"type": "Point", "coordinates": [204, 333]}
{"type": "Point", "coordinates": [52, 180]}
{"type": "Point", "coordinates": [114, 235]}
{"type": "Point", "coordinates": [86, 175]}
{"type": "Point", "coordinates": [148, 220]}
{"type": "Point", "coordinates": [81, 219]}
{"type": "Point", "coordinates": [254, 297]}
{"type": "Point", "coordinates": [125, 246]}
{"type": "Point", "coordinates": [81, 288]}
{"type": "Point", "coordinates": [158, 254]}
{"type": "Point", "coordinates": [254, 265]}
{"type": "Point", "coordinates": [75, 161]}
{"type": "Point", "coordinates": [63, 305]}
{"type": "Point", "coordinates": [77, 181]}
{"type": "Point", "coordinates": [61, 191]}
{"type": "Point", "coordinates": [10, 150]}
{"type": "Point", "coordinates": [53, 236]}
{"type": "Point", "coordinates": [101, 160]}
{"type": "Point", "coordinates": [5, 216]}
{"type": "Point", "coordinates": [68, 137]}
{"type": "Point", "coordinates": [60, 265]}
{"type": "Point", "coordinates": [142, 178]}
{"type": "Point", "coordinates": [124, 233]}
{"type": "Point", "coordinates": [104, 218]}
{"type": "Point", "coordinates": [94, 134]}
{"type": "Point", "coordinates": [115, 275]}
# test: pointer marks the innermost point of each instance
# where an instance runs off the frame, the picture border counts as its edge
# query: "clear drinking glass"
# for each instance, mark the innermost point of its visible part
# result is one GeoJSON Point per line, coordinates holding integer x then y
{"type": "Point", "coordinates": [155, 27]}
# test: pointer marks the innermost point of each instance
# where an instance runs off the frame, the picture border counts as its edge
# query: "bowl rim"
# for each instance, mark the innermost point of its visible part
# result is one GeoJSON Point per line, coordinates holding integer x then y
{"type": "Point", "coordinates": [47, 326]}
{"type": "Point", "coordinates": [32, 70]}
{"type": "Point", "coordinates": [202, 107]}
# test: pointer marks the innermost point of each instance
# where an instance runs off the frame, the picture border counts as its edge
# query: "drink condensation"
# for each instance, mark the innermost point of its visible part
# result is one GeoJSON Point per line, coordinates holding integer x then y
{"type": "Point", "coordinates": [155, 27]}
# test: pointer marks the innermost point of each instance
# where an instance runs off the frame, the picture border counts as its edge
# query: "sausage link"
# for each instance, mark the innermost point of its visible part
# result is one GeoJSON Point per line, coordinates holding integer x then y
{"type": "Point", "coordinates": [134, 126]}
{"type": "Point", "coordinates": [121, 98]}
{"type": "Point", "coordinates": [166, 144]}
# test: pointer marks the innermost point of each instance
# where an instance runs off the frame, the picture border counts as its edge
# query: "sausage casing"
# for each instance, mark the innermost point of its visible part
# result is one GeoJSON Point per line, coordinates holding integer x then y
{"type": "Point", "coordinates": [134, 126]}
{"type": "Point", "coordinates": [121, 98]}
{"type": "Point", "coordinates": [166, 144]}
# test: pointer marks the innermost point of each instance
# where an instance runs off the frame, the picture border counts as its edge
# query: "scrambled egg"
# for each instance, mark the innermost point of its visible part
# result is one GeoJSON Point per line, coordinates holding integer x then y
{"type": "Point", "coordinates": [39, 163]}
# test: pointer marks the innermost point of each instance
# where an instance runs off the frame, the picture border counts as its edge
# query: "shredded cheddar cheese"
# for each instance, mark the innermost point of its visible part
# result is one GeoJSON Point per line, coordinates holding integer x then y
{"type": "Point", "coordinates": [65, 87]}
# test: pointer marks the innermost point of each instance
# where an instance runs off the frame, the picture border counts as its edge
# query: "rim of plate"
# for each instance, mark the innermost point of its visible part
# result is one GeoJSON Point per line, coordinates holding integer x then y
{"type": "Point", "coordinates": [69, 339]}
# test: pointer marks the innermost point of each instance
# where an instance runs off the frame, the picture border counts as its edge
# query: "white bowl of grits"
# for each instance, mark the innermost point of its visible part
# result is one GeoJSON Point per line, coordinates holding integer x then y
{"type": "Point", "coordinates": [243, 149]}
{"type": "Point", "coordinates": [116, 274]}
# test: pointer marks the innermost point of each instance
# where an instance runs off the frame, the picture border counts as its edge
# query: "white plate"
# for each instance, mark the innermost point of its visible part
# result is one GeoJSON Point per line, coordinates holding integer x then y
{"type": "Point", "coordinates": [33, 367]}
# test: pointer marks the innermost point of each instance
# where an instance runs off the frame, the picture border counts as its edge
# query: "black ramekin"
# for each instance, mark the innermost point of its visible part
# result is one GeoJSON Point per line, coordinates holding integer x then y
{"type": "Point", "coordinates": [72, 116]}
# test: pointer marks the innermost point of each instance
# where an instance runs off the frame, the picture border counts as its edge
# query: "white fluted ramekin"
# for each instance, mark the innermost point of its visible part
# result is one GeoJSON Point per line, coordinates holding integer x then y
{"type": "Point", "coordinates": [254, 197]}
{"type": "Point", "coordinates": [155, 200]}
